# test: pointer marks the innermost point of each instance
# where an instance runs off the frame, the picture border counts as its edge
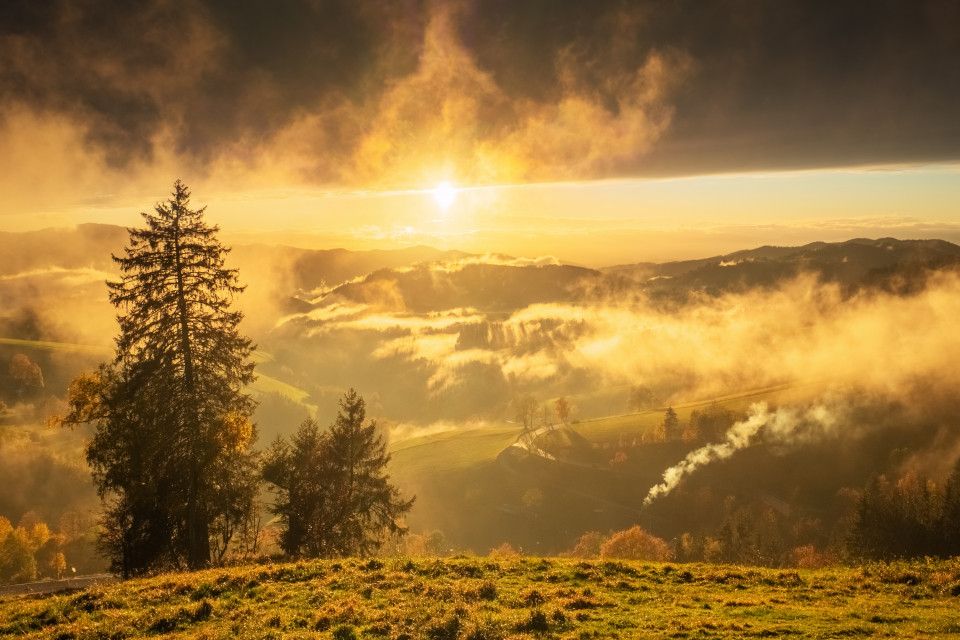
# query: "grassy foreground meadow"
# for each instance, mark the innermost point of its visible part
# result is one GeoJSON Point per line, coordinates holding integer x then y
{"type": "Point", "coordinates": [473, 598]}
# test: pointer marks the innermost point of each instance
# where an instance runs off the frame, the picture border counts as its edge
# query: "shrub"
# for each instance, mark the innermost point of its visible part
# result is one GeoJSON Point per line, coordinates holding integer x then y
{"type": "Point", "coordinates": [635, 544]}
{"type": "Point", "coordinates": [487, 590]}
{"type": "Point", "coordinates": [487, 629]}
{"type": "Point", "coordinates": [345, 632]}
{"type": "Point", "coordinates": [808, 557]}
{"type": "Point", "coordinates": [505, 550]}
{"type": "Point", "coordinates": [203, 611]}
{"type": "Point", "coordinates": [537, 622]}
{"type": "Point", "coordinates": [588, 545]}
{"type": "Point", "coordinates": [448, 629]}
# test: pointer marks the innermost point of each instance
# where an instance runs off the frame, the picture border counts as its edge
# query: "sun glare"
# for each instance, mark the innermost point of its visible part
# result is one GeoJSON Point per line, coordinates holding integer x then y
{"type": "Point", "coordinates": [444, 195]}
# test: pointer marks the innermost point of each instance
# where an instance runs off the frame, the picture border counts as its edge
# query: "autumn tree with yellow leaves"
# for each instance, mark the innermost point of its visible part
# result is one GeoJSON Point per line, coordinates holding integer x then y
{"type": "Point", "coordinates": [172, 457]}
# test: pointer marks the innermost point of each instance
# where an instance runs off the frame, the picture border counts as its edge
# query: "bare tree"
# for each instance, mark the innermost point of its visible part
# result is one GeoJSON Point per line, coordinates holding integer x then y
{"type": "Point", "coordinates": [563, 408]}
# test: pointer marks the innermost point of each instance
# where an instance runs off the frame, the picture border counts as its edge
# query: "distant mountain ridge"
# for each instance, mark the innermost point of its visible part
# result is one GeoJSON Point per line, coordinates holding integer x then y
{"type": "Point", "coordinates": [90, 245]}
{"type": "Point", "coordinates": [310, 269]}
{"type": "Point", "coordinates": [885, 262]}
{"type": "Point", "coordinates": [86, 246]}
{"type": "Point", "coordinates": [491, 287]}
{"type": "Point", "coordinates": [284, 280]}
{"type": "Point", "coordinates": [896, 266]}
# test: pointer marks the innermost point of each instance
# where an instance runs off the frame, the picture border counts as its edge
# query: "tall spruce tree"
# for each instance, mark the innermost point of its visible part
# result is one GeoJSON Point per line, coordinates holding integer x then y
{"type": "Point", "coordinates": [171, 456]}
{"type": "Point", "coordinates": [334, 496]}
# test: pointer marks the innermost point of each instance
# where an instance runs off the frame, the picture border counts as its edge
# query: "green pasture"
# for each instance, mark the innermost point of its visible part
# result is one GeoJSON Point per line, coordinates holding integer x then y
{"type": "Point", "coordinates": [482, 598]}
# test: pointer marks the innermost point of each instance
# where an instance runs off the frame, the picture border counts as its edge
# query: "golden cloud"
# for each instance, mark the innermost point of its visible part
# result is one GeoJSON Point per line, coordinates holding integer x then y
{"type": "Point", "coordinates": [803, 331]}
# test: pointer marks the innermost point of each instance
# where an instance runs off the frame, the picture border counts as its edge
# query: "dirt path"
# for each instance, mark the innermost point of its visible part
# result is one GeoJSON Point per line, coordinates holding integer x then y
{"type": "Point", "coordinates": [53, 586]}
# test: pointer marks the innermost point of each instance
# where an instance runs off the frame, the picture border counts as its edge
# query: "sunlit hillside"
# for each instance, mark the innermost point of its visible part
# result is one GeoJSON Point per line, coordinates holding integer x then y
{"type": "Point", "coordinates": [493, 598]}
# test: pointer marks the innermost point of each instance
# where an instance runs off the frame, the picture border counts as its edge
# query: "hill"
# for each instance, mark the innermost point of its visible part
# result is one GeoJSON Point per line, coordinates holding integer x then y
{"type": "Point", "coordinates": [480, 490]}
{"type": "Point", "coordinates": [854, 264]}
{"type": "Point", "coordinates": [310, 269]}
{"type": "Point", "coordinates": [492, 288]}
{"type": "Point", "coordinates": [493, 599]}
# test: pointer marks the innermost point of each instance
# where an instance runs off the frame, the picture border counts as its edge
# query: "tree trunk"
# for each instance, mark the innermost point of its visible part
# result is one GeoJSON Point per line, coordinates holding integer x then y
{"type": "Point", "coordinates": [198, 528]}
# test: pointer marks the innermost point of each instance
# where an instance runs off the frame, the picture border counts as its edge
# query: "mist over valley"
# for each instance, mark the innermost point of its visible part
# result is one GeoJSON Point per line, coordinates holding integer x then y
{"type": "Point", "coordinates": [845, 350]}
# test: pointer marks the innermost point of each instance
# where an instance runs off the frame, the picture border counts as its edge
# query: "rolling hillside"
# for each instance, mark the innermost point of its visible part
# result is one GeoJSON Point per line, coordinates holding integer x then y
{"type": "Point", "coordinates": [442, 344]}
{"type": "Point", "coordinates": [493, 599]}
{"type": "Point", "coordinates": [480, 490]}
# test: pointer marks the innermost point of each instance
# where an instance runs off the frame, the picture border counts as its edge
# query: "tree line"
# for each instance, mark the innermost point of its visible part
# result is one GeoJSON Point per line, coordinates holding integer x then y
{"type": "Point", "coordinates": [888, 518]}
{"type": "Point", "coordinates": [173, 455]}
{"type": "Point", "coordinates": [912, 517]}
{"type": "Point", "coordinates": [34, 550]}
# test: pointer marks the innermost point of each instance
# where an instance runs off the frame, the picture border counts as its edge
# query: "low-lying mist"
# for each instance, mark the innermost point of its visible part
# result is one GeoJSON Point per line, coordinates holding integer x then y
{"type": "Point", "coordinates": [466, 362]}
{"type": "Point", "coordinates": [431, 337]}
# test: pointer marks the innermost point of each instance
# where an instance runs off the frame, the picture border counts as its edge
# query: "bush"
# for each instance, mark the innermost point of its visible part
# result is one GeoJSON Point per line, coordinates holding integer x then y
{"type": "Point", "coordinates": [448, 629]}
{"type": "Point", "coordinates": [487, 629]}
{"type": "Point", "coordinates": [635, 544]}
{"type": "Point", "coordinates": [588, 545]}
{"type": "Point", "coordinates": [17, 563]}
{"type": "Point", "coordinates": [505, 550]}
{"type": "Point", "coordinates": [808, 557]}
{"type": "Point", "coordinates": [345, 632]}
{"type": "Point", "coordinates": [537, 622]}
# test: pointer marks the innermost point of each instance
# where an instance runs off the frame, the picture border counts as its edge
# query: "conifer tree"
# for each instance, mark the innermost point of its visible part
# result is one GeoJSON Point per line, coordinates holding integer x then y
{"type": "Point", "coordinates": [334, 496]}
{"type": "Point", "coordinates": [365, 505]}
{"type": "Point", "coordinates": [300, 472]}
{"type": "Point", "coordinates": [950, 518]}
{"type": "Point", "coordinates": [671, 425]}
{"type": "Point", "coordinates": [171, 456]}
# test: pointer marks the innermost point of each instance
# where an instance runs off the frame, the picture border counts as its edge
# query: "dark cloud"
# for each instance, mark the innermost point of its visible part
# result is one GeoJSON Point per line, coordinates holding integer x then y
{"type": "Point", "coordinates": [799, 84]}
{"type": "Point", "coordinates": [347, 91]}
{"type": "Point", "coordinates": [772, 84]}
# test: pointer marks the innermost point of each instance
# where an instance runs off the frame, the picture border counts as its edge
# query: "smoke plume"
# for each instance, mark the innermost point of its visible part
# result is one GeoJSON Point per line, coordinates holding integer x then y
{"type": "Point", "coordinates": [783, 426]}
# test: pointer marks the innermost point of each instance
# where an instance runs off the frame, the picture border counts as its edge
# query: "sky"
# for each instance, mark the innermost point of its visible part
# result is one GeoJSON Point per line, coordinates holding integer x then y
{"type": "Point", "coordinates": [602, 133]}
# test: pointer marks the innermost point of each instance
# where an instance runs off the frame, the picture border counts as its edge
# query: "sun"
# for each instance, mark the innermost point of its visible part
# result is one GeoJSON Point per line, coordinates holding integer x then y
{"type": "Point", "coordinates": [444, 194]}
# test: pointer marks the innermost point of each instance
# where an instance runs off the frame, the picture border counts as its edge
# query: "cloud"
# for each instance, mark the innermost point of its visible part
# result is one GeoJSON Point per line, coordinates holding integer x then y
{"type": "Point", "coordinates": [451, 119]}
{"type": "Point", "coordinates": [102, 101]}
{"type": "Point", "coordinates": [70, 277]}
{"type": "Point", "coordinates": [373, 318]}
{"type": "Point", "coordinates": [343, 94]}
{"type": "Point", "coordinates": [803, 332]}
{"type": "Point", "coordinates": [833, 353]}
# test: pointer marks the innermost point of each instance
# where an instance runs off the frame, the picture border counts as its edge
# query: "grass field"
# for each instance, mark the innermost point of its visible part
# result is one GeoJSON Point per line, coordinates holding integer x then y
{"type": "Point", "coordinates": [464, 491]}
{"type": "Point", "coordinates": [457, 450]}
{"type": "Point", "coordinates": [610, 428]}
{"type": "Point", "coordinates": [451, 450]}
{"type": "Point", "coordinates": [473, 598]}
{"type": "Point", "coordinates": [454, 451]}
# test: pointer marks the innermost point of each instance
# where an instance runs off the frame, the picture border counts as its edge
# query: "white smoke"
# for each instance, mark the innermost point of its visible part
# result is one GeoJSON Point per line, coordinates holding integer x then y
{"type": "Point", "coordinates": [783, 426]}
